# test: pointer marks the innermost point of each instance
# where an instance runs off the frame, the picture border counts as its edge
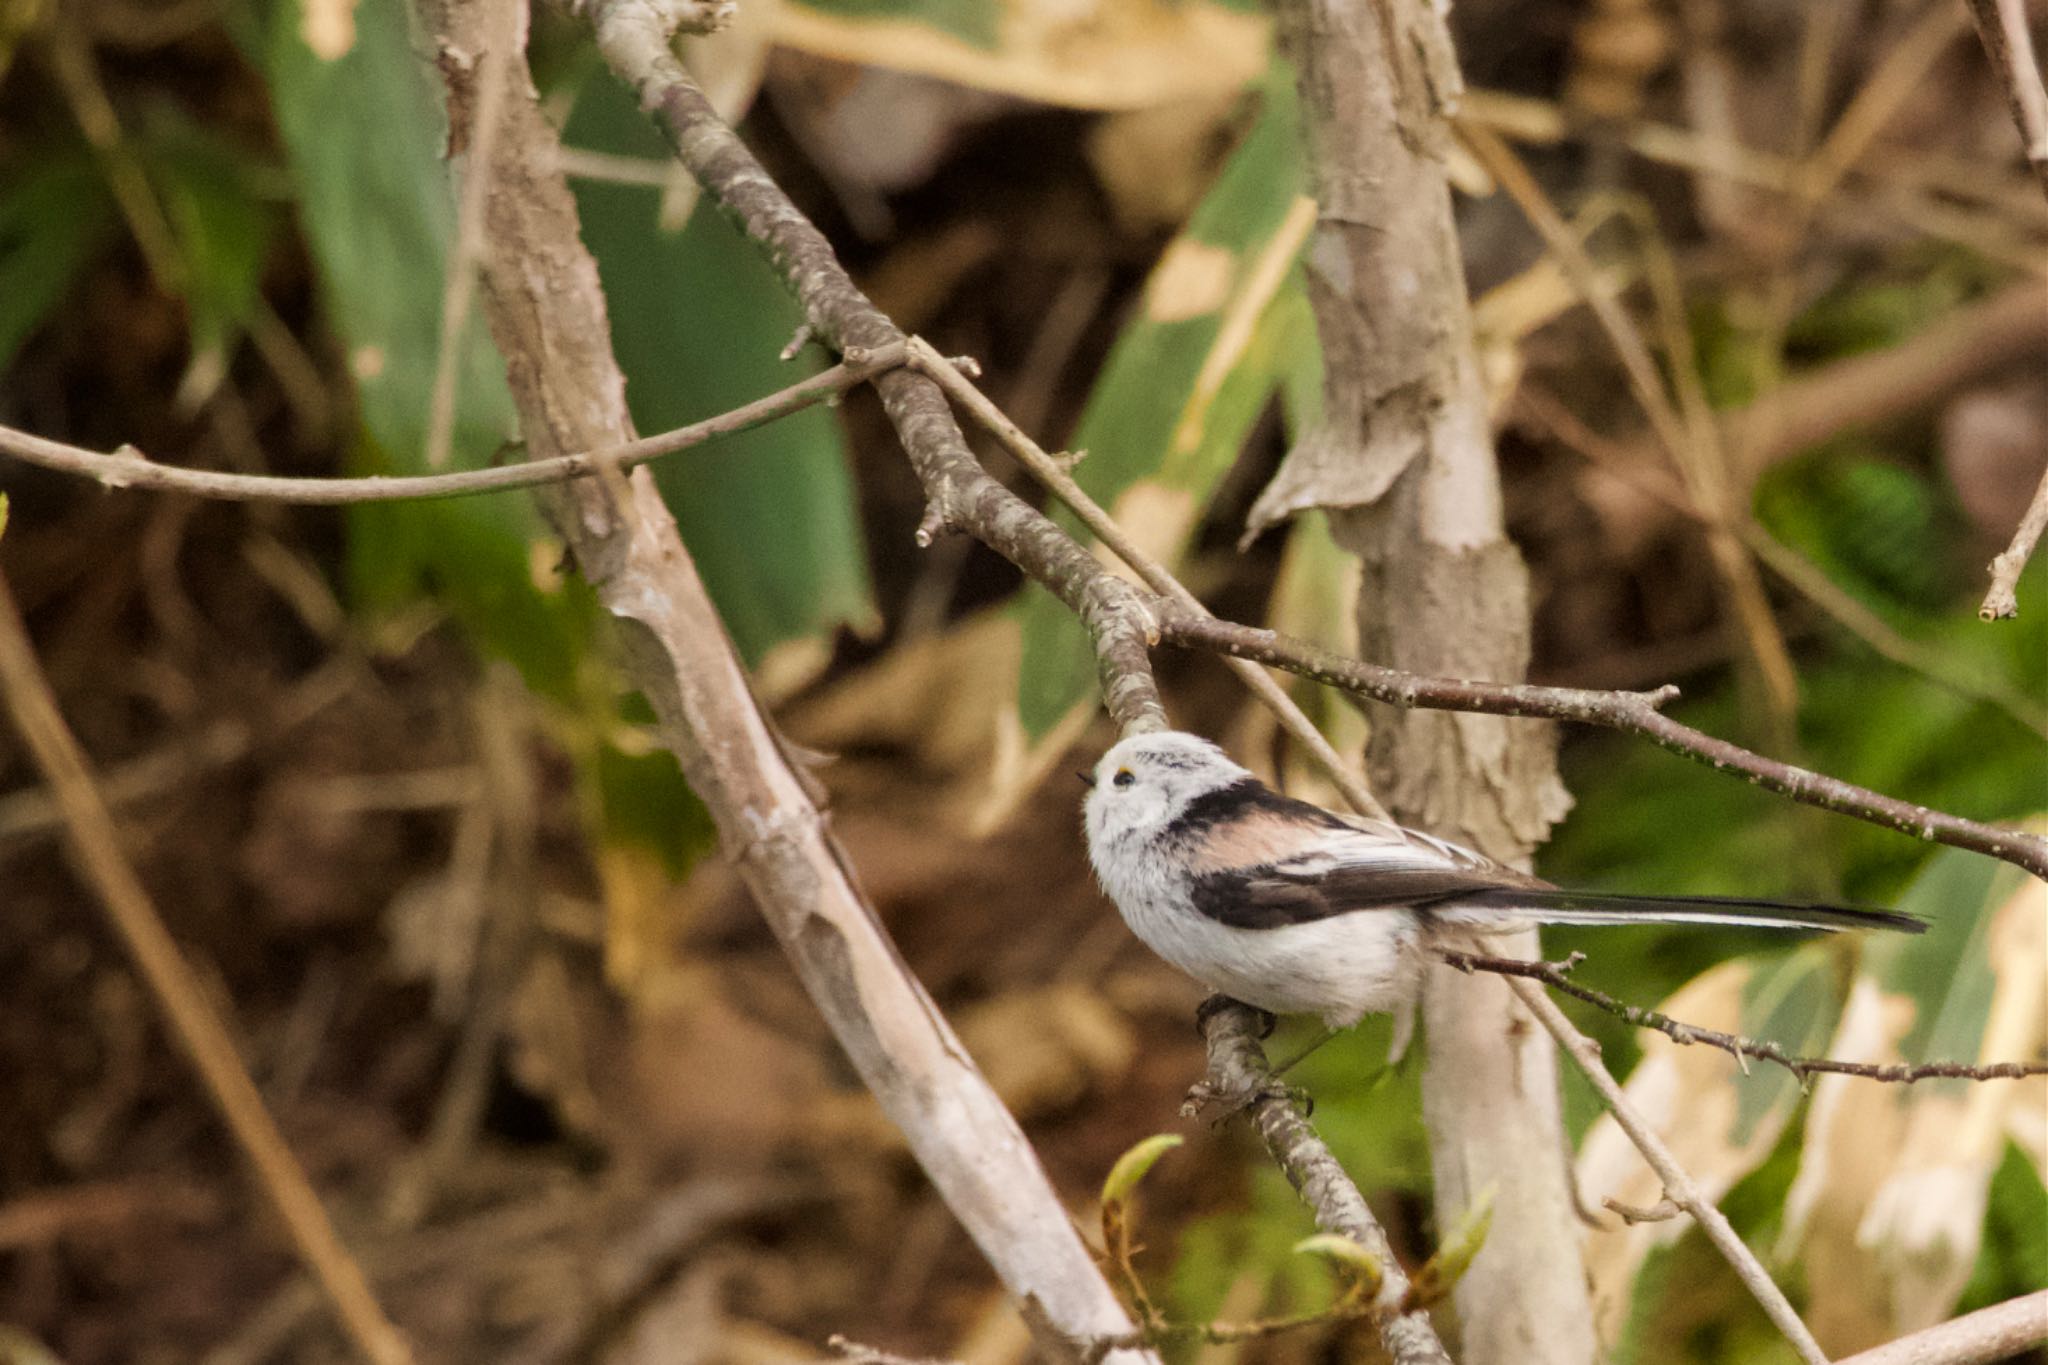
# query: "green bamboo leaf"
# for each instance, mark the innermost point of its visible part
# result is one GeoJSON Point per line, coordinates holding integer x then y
{"type": "Point", "coordinates": [1219, 327]}
{"type": "Point", "coordinates": [1135, 1164]}
{"type": "Point", "coordinates": [699, 319]}
{"type": "Point", "coordinates": [56, 215]}
{"type": "Point", "coordinates": [363, 136]}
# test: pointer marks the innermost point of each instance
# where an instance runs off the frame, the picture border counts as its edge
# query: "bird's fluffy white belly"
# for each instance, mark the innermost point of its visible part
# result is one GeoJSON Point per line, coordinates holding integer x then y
{"type": "Point", "coordinates": [1340, 968]}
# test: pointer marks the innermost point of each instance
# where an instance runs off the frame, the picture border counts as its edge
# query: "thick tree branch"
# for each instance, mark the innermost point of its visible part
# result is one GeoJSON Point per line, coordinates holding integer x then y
{"type": "Point", "coordinates": [1979, 1338]}
{"type": "Point", "coordinates": [1240, 1078]}
{"type": "Point", "coordinates": [1557, 975]}
{"type": "Point", "coordinates": [1635, 712]}
{"type": "Point", "coordinates": [1402, 459]}
{"type": "Point", "coordinates": [547, 313]}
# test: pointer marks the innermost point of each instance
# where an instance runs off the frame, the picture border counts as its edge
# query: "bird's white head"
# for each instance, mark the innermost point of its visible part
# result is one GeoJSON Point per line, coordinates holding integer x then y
{"type": "Point", "coordinates": [1143, 783]}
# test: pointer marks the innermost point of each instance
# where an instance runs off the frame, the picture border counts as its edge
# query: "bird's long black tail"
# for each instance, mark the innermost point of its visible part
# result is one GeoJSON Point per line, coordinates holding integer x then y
{"type": "Point", "coordinates": [1593, 907]}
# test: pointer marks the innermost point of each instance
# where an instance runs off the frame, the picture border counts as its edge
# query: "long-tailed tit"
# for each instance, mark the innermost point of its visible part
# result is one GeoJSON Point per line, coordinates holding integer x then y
{"type": "Point", "coordinates": [1287, 906]}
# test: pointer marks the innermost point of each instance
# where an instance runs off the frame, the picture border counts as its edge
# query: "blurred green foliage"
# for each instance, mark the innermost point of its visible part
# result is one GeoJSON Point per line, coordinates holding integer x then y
{"type": "Point", "coordinates": [56, 214]}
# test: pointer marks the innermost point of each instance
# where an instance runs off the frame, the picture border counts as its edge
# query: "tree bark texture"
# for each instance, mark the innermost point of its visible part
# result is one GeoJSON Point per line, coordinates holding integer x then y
{"type": "Point", "coordinates": [1404, 460]}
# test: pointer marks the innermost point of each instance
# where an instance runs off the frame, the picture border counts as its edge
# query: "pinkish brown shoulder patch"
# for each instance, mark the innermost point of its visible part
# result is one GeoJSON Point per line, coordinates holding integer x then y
{"type": "Point", "coordinates": [1257, 838]}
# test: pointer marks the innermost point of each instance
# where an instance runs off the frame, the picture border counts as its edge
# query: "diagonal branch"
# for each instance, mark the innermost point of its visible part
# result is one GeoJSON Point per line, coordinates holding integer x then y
{"type": "Point", "coordinates": [1240, 1077]}
{"type": "Point", "coordinates": [96, 849]}
{"type": "Point", "coordinates": [1679, 1186]}
{"type": "Point", "coordinates": [634, 37]}
{"type": "Point", "coordinates": [1980, 1338]}
{"type": "Point", "coordinates": [547, 312]}
{"type": "Point", "coordinates": [1635, 712]}
{"type": "Point", "coordinates": [2009, 43]}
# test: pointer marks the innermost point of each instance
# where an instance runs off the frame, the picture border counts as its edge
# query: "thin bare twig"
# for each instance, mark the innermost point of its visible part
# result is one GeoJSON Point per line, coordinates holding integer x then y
{"type": "Point", "coordinates": [2002, 602]}
{"type": "Point", "coordinates": [634, 37]}
{"type": "Point", "coordinates": [1679, 1186]}
{"type": "Point", "coordinates": [1048, 471]}
{"type": "Point", "coordinates": [2009, 42]}
{"type": "Point", "coordinates": [1558, 976]}
{"type": "Point", "coordinates": [1240, 1078]}
{"type": "Point", "coordinates": [1979, 1338]}
{"type": "Point", "coordinates": [129, 468]}
{"type": "Point", "coordinates": [1635, 712]}
{"type": "Point", "coordinates": [96, 851]}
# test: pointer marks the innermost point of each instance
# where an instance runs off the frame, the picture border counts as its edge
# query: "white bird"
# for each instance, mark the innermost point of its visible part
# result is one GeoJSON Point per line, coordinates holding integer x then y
{"type": "Point", "coordinates": [1299, 910]}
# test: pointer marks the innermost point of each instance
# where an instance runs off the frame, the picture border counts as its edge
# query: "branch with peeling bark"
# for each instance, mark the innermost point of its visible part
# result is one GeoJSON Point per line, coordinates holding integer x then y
{"type": "Point", "coordinates": [1557, 975]}
{"type": "Point", "coordinates": [547, 313]}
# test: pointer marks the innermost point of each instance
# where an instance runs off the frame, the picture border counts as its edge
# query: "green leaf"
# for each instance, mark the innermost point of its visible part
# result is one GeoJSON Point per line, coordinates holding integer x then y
{"type": "Point", "coordinates": [1440, 1273]}
{"type": "Point", "coordinates": [1948, 973]}
{"type": "Point", "coordinates": [1353, 1260]}
{"type": "Point", "coordinates": [56, 214]}
{"type": "Point", "coordinates": [1219, 327]}
{"type": "Point", "coordinates": [699, 319]}
{"type": "Point", "coordinates": [221, 203]}
{"type": "Point", "coordinates": [363, 135]}
{"type": "Point", "coordinates": [1134, 1164]}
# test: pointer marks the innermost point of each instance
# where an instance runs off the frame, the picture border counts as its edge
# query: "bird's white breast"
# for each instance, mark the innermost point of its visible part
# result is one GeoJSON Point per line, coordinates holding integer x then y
{"type": "Point", "coordinates": [1340, 968]}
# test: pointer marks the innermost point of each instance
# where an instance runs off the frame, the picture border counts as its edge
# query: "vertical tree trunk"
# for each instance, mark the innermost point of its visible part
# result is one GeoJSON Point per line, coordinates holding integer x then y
{"type": "Point", "coordinates": [1404, 459]}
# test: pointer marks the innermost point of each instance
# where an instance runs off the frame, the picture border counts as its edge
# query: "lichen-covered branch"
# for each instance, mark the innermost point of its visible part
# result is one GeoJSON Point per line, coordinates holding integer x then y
{"type": "Point", "coordinates": [1240, 1078]}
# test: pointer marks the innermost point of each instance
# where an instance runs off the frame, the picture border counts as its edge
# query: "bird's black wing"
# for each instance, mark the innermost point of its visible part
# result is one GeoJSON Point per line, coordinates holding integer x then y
{"type": "Point", "coordinates": [1378, 867]}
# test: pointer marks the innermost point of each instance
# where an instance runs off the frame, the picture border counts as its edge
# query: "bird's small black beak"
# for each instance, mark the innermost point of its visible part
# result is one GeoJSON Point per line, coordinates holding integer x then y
{"type": "Point", "coordinates": [1087, 779]}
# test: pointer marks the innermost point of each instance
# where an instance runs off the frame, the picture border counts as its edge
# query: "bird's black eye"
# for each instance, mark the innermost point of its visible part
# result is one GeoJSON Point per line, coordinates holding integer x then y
{"type": "Point", "coordinates": [1124, 777]}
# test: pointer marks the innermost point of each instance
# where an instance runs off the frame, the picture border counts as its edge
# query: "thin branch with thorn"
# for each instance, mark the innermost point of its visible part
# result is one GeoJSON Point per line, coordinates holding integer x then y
{"type": "Point", "coordinates": [1635, 712]}
{"type": "Point", "coordinates": [1679, 1186]}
